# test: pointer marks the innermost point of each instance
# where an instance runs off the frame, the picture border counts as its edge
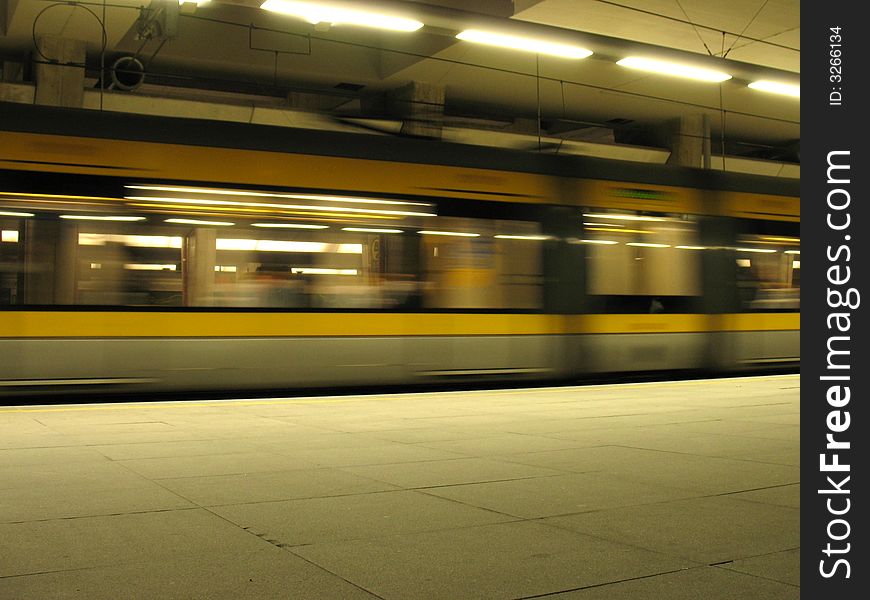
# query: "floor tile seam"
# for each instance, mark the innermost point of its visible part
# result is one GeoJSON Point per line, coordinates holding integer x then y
{"type": "Point", "coordinates": [107, 515]}
{"type": "Point", "coordinates": [726, 566]}
{"type": "Point", "coordinates": [698, 455]}
{"type": "Point", "coordinates": [761, 489]}
{"type": "Point", "coordinates": [384, 536]}
{"type": "Point", "coordinates": [287, 549]}
{"type": "Point", "coordinates": [607, 583]}
{"type": "Point", "coordinates": [72, 570]}
{"type": "Point", "coordinates": [303, 498]}
{"type": "Point", "coordinates": [623, 542]}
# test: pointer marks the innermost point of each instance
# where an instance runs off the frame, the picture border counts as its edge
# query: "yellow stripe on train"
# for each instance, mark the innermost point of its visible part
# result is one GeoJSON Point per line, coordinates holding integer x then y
{"type": "Point", "coordinates": [132, 324]}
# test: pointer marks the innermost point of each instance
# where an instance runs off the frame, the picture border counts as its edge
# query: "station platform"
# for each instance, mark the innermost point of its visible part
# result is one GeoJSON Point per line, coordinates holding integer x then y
{"type": "Point", "coordinates": [679, 490]}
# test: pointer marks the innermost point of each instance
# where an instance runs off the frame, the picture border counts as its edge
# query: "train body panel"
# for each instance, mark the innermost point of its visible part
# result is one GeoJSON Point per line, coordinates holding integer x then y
{"type": "Point", "coordinates": [182, 255]}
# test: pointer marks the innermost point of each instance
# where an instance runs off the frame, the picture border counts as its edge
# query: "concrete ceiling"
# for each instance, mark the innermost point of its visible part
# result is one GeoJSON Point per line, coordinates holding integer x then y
{"type": "Point", "coordinates": [232, 45]}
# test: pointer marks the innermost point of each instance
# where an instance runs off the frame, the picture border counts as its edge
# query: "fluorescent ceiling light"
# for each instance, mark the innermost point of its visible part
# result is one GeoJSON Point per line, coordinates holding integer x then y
{"type": "Point", "coordinates": [450, 233]}
{"type": "Point", "coordinates": [9, 235]}
{"type": "Point", "coordinates": [618, 217]}
{"type": "Point", "coordinates": [290, 225]}
{"type": "Point", "coordinates": [669, 68]}
{"type": "Point", "coordinates": [691, 247]}
{"type": "Point", "coordinates": [775, 87]}
{"type": "Point", "coordinates": [6, 213]}
{"type": "Point", "coordinates": [759, 250]}
{"type": "Point", "coordinates": [101, 218]}
{"type": "Point", "coordinates": [792, 252]}
{"type": "Point", "coordinates": [523, 43]}
{"type": "Point", "coordinates": [336, 15]}
{"type": "Point", "coordinates": [521, 237]}
{"type": "Point", "coordinates": [371, 230]}
{"type": "Point", "coordinates": [647, 245]}
{"type": "Point", "coordinates": [199, 222]}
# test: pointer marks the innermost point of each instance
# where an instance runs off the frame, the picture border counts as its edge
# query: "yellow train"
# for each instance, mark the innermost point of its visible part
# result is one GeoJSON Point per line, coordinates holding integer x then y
{"type": "Point", "coordinates": [144, 254]}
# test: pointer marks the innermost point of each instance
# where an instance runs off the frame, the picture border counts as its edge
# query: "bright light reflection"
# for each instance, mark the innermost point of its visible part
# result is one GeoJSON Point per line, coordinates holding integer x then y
{"type": "Point", "coordinates": [371, 230]}
{"type": "Point", "coordinates": [601, 242]}
{"type": "Point", "coordinates": [759, 250]}
{"type": "Point", "coordinates": [225, 192]}
{"type": "Point", "coordinates": [200, 222]}
{"type": "Point", "coordinates": [318, 271]}
{"type": "Point", "coordinates": [9, 235]}
{"type": "Point", "coordinates": [249, 245]}
{"type": "Point", "coordinates": [647, 245]}
{"type": "Point", "coordinates": [290, 226]}
{"type": "Point", "coordinates": [149, 267]}
{"type": "Point", "coordinates": [7, 213]}
{"type": "Point", "coordinates": [449, 233]}
{"type": "Point", "coordinates": [101, 218]}
{"type": "Point", "coordinates": [521, 237]}
{"type": "Point", "coordinates": [308, 207]}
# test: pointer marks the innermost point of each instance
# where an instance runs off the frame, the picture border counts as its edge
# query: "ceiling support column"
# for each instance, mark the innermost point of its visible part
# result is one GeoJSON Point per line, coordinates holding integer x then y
{"type": "Point", "coordinates": [689, 141]}
{"type": "Point", "coordinates": [60, 72]}
{"type": "Point", "coordinates": [420, 105]}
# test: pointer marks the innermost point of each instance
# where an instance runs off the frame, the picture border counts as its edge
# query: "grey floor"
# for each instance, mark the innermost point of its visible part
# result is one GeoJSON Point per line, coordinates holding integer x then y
{"type": "Point", "coordinates": [679, 490]}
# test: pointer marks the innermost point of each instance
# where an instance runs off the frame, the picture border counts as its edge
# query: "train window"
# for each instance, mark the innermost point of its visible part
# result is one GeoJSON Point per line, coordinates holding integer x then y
{"type": "Point", "coordinates": [10, 259]}
{"type": "Point", "coordinates": [768, 267]}
{"type": "Point", "coordinates": [482, 263]}
{"type": "Point", "coordinates": [641, 263]}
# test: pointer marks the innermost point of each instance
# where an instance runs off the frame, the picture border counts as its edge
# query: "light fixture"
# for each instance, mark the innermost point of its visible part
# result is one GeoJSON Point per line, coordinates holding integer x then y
{"type": "Point", "coordinates": [690, 247]}
{"type": "Point", "coordinates": [133, 241]}
{"type": "Point", "coordinates": [647, 245]}
{"type": "Point", "coordinates": [200, 222]}
{"type": "Point", "coordinates": [796, 264]}
{"type": "Point", "coordinates": [315, 12]}
{"type": "Point", "coordinates": [759, 250]}
{"type": "Point", "coordinates": [290, 225]}
{"type": "Point", "coordinates": [776, 87]}
{"type": "Point", "coordinates": [664, 67]}
{"type": "Point", "coordinates": [8, 213]}
{"type": "Point", "coordinates": [371, 230]}
{"type": "Point", "coordinates": [101, 218]}
{"type": "Point", "coordinates": [9, 235]}
{"type": "Point", "coordinates": [515, 42]}
{"type": "Point", "coordinates": [792, 252]}
{"type": "Point", "coordinates": [449, 233]}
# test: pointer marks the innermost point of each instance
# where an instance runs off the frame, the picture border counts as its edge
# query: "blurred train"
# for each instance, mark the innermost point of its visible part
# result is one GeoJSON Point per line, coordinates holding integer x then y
{"type": "Point", "coordinates": [150, 254]}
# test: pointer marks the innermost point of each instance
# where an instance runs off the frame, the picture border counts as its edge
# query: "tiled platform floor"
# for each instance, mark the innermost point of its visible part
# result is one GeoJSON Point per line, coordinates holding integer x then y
{"type": "Point", "coordinates": [680, 490]}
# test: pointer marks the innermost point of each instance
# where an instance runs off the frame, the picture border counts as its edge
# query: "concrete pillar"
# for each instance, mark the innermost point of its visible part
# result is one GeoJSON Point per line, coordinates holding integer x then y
{"type": "Point", "coordinates": [50, 251]}
{"type": "Point", "coordinates": [60, 71]}
{"type": "Point", "coordinates": [198, 262]}
{"type": "Point", "coordinates": [421, 106]}
{"type": "Point", "coordinates": [690, 142]}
